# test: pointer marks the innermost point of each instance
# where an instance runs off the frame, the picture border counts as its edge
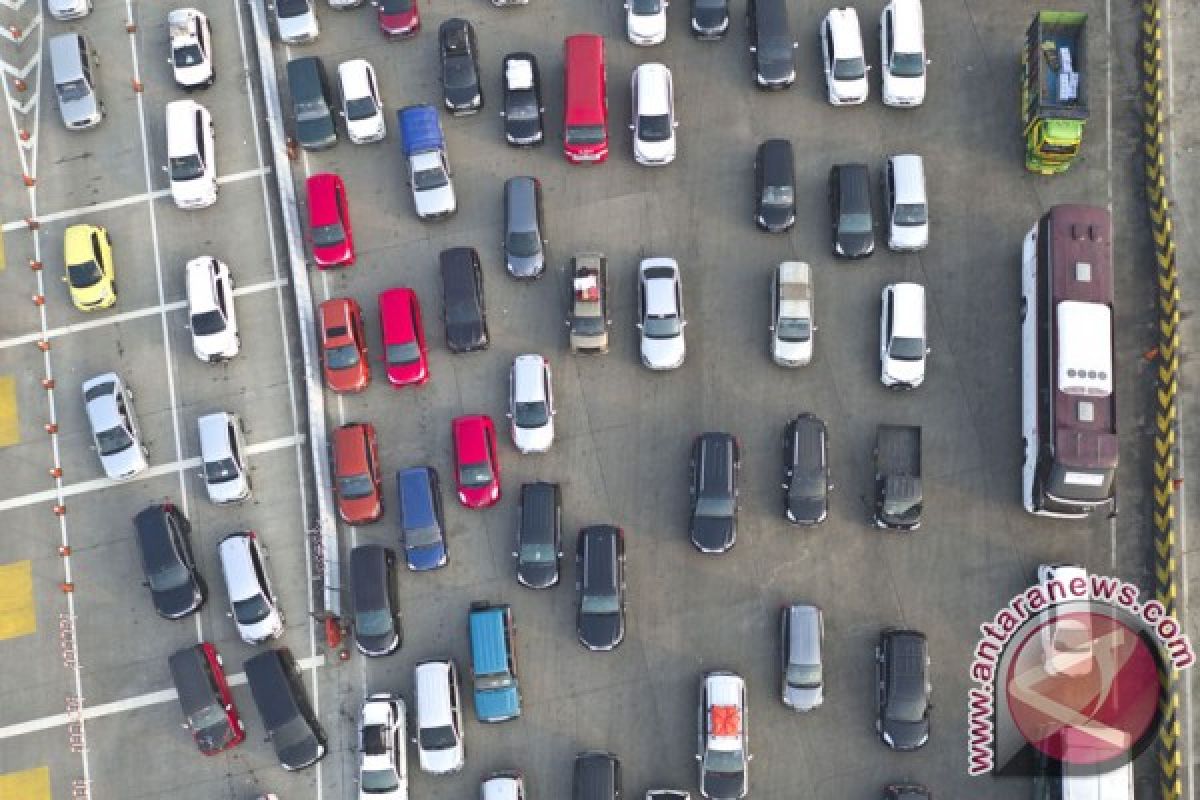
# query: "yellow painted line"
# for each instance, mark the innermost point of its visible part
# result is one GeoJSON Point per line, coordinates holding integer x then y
{"type": "Point", "coordinates": [10, 428]}
{"type": "Point", "coordinates": [29, 784]}
{"type": "Point", "coordinates": [17, 617]}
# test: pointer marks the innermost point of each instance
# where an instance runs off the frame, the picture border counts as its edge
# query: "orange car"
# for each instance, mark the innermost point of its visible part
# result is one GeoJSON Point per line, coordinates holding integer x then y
{"type": "Point", "coordinates": [356, 480]}
{"type": "Point", "coordinates": [344, 345]}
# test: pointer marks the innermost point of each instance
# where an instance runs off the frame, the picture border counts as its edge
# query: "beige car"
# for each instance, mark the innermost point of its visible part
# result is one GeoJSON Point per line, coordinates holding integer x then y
{"type": "Point", "coordinates": [588, 318]}
{"type": "Point", "coordinates": [792, 325]}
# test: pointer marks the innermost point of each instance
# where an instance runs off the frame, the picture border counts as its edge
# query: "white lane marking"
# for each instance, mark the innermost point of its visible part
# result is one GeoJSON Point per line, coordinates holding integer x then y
{"type": "Point", "coordinates": [128, 704]}
{"type": "Point", "coordinates": [153, 472]}
{"type": "Point", "coordinates": [129, 200]}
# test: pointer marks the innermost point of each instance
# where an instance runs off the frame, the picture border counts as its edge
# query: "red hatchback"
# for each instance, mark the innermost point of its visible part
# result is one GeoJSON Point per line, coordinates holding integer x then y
{"type": "Point", "coordinates": [343, 345]}
{"type": "Point", "coordinates": [356, 478]}
{"type": "Point", "coordinates": [476, 461]}
{"type": "Point", "coordinates": [399, 17]}
{"type": "Point", "coordinates": [403, 337]}
{"type": "Point", "coordinates": [208, 710]}
{"type": "Point", "coordinates": [329, 230]}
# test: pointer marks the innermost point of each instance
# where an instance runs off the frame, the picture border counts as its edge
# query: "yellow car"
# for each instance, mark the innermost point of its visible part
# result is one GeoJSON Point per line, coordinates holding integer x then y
{"type": "Point", "coordinates": [87, 254]}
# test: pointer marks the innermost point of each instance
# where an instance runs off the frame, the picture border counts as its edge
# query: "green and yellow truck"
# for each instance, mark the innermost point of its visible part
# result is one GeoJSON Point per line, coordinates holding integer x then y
{"type": "Point", "coordinates": [1053, 90]}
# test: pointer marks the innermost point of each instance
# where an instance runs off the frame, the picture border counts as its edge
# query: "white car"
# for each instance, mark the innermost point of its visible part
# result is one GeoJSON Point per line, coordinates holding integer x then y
{"type": "Point", "coordinates": [508, 785]}
{"type": "Point", "coordinates": [440, 746]}
{"type": "Point", "coordinates": [211, 315]}
{"type": "Point", "coordinates": [531, 404]}
{"type": "Point", "coordinates": [118, 441]}
{"type": "Point", "coordinates": [361, 106]}
{"type": "Point", "coordinates": [297, 21]}
{"type": "Point", "coordinates": [906, 204]}
{"type": "Point", "coordinates": [253, 604]}
{"type": "Point", "coordinates": [654, 120]}
{"type": "Point", "coordinates": [722, 749]}
{"type": "Point", "coordinates": [65, 10]}
{"type": "Point", "coordinates": [191, 155]}
{"type": "Point", "coordinates": [191, 48]}
{"type": "Point", "coordinates": [902, 49]}
{"type": "Point", "coordinates": [382, 762]}
{"type": "Point", "coordinates": [223, 457]}
{"type": "Point", "coordinates": [660, 313]}
{"type": "Point", "coordinates": [1066, 642]}
{"type": "Point", "coordinates": [646, 21]}
{"type": "Point", "coordinates": [792, 325]}
{"type": "Point", "coordinates": [842, 54]}
{"type": "Point", "coordinates": [902, 347]}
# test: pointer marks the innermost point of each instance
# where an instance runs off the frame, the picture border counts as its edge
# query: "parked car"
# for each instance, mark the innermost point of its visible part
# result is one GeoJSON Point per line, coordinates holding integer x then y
{"type": "Point", "coordinates": [356, 474]}
{"type": "Point", "coordinates": [722, 749]}
{"type": "Point", "coordinates": [464, 312]}
{"type": "Point", "coordinates": [226, 469]}
{"type": "Point", "coordinates": [278, 693]}
{"type": "Point", "coordinates": [209, 713]}
{"type": "Point", "coordinates": [850, 203]}
{"type": "Point", "coordinates": [422, 523]}
{"type": "Point", "coordinates": [362, 107]}
{"type": "Point", "coordinates": [440, 746]}
{"type": "Point", "coordinates": [311, 106]}
{"type": "Point", "coordinates": [73, 70]}
{"type": "Point", "coordinates": [802, 633]}
{"type": "Point", "coordinates": [191, 155]}
{"type": "Point", "coordinates": [713, 486]}
{"type": "Point", "coordinates": [600, 582]}
{"type": "Point", "coordinates": [398, 17]}
{"type": "Point", "coordinates": [524, 120]}
{"type": "Point", "coordinates": [806, 484]}
{"type": "Point", "coordinates": [902, 343]}
{"type": "Point", "coordinates": [343, 345]}
{"type": "Point", "coordinates": [329, 229]}
{"type": "Point", "coordinates": [906, 791]}
{"type": "Point", "coordinates": [646, 21]}
{"type": "Point", "coordinates": [531, 404]}
{"type": "Point", "coordinates": [660, 313]}
{"type": "Point", "coordinates": [1066, 640]}
{"type": "Point", "coordinates": [772, 47]}
{"type": "Point", "coordinates": [89, 271]}
{"type": "Point", "coordinates": [382, 759]}
{"type": "Point", "coordinates": [212, 317]}
{"type": "Point", "coordinates": [710, 18]}
{"type": "Point", "coordinates": [524, 237]}
{"type": "Point", "coordinates": [462, 91]}
{"type": "Point", "coordinates": [161, 533]}
{"type": "Point", "coordinates": [476, 461]}
{"type": "Point", "coordinates": [597, 776]}
{"type": "Point", "coordinates": [774, 186]}
{"type": "Point", "coordinates": [403, 334]}
{"type": "Point", "coordinates": [654, 120]}
{"type": "Point", "coordinates": [496, 688]}
{"type": "Point", "coordinates": [378, 627]}
{"type": "Point", "coordinates": [905, 204]}
{"type": "Point", "coordinates": [792, 327]}
{"type": "Point", "coordinates": [507, 784]}
{"type": "Point", "coordinates": [668, 794]}
{"type": "Point", "coordinates": [588, 317]}
{"type": "Point", "coordinates": [67, 10]}
{"type": "Point", "coordinates": [191, 48]}
{"type": "Point", "coordinates": [902, 50]}
{"type": "Point", "coordinates": [427, 164]}
{"type": "Point", "coordinates": [903, 688]}
{"type": "Point", "coordinates": [843, 58]}
{"type": "Point", "coordinates": [253, 605]}
{"type": "Point", "coordinates": [296, 21]}
{"type": "Point", "coordinates": [539, 535]}
{"type": "Point", "coordinates": [116, 435]}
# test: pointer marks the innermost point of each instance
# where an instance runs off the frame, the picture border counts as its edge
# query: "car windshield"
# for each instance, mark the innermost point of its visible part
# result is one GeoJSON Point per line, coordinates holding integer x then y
{"type": "Point", "coordinates": [585, 134]}
{"type": "Point", "coordinates": [911, 214]}
{"type": "Point", "coordinates": [207, 323]}
{"type": "Point", "coordinates": [432, 178]}
{"type": "Point", "coordinates": [71, 91]}
{"type": "Point", "coordinates": [778, 196]}
{"type": "Point", "coordinates": [342, 357]}
{"type": "Point", "coordinates": [395, 6]}
{"type": "Point", "coordinates": [720, 506]}
{"type": "Point", "coordinates": [855, 222]}
{"type": "Point", "coordinates": [84, 275]}
{"type": "Point", "coordinates": [661, 327]}
{"type": "Point", "coordinates": [361, 108]}
{"type": "Point", "coordinates": [522, 105]}
{"type": "Point", "coordinates": [168, 577]}
{"type": "Point", "coordinates": [600, 604]}
{"type": "Point", "coordinates": [186, 168]}
{"type": "Point", "coordinates": [291, 8]}
{"type": "Point", "coordinates": [907, 348]}
{"type": "Point", "coordinates": [113, 441]}
{"type": "Point", "coordinates": [537, 554]}
{"type": "Point", "coordinates": [727, 763]}
{"type": "Point", "coordinates": [475, 475]}
{"type": "Point", "coordinates": [211, 716]}
{"type": "Point", "coordinates": [220, 471]}
{"type": "Point", "coordinates": [372, 781]}
{"type": "Point", "coordinates": [404, 353]}
{"type": "Point", "coordinates": [804, 676]}
{"type": "Point", "coordinates": [355, 487]}
{"type": "Point", "coordinates": [908, 65]}
{"type": "Point", "coordinates": [328, 235]}
{"type": "Point", "coordinates": [422, 537]}
{"type": "Point", "coordinates": [373, 622]}
{"type": "Point", "coordinates": [654, 128]}
{"type": "Point", "coordinates": [531, 415]}
{"type": "Point", "coordinates": [849, 69]}
{"type": "Point", "coordinates": [793, 329]}
{"type": "Point", "coordinates": [523, 243]}
{"type": "Point", "coordinates": [460, 72]}
{"type": "Point", "coordinates": [440, 738]}
{"type": "Point", "coordinates": [188, 56]}
{"type": "Point", "coordinates": [310, 110]}
{"type": "Point", "coordinates": [251, 610]}
{"type": "Point", "coordinates": [644, 7]}
{"type": "Point", "coordinates": [588, 326]}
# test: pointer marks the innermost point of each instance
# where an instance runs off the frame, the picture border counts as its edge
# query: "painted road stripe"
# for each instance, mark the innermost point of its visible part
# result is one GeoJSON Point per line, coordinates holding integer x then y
{"type": "Point", "coordinates": [28, 784]}
{"type": "Point", "coordinates": [154, 472]}
{"type": "Point", "coordinates": [17, 616]}
{"type": "Point", "coordinates": [129, 200]}
{"type": "Point", "coordinates": [113, 319]}
{"type": "Point", "coordinates": [3, 262]}
{"type": "Point", "coordinates": [122, 706]}
{"type": "Point", "coordinates": [10, 426]}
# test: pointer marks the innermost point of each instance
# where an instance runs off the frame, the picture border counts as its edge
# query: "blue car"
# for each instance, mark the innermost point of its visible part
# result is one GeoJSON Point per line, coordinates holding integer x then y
{"type": "Point", "coordinates": [494, 662]}
{"type": "Point", "coordinates": [422, 530]}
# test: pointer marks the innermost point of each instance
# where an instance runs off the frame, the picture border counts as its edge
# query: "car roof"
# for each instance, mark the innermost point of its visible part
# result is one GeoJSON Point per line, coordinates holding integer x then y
{"type": "Point", "coordinates": [599, 545]}
{"type": "Point", "coordinates": [395, 314]}
{"type": "Point", "coordinates": [319, 190]}
{"type": "Point", "coordinates": [654, 81]}
{"type": "Point", "coordinates": [190, 674]}
{"type": "Point", "coordinates": [350, 448]}
{"type": "Point", "coordinates": [100, 400]}
{"type": "Point", "coordinates": [847, 36]}
{"type": "Point", "coordinates": [180, 115]}
{"type": "Point", "coordinates": [723, 688]}
{"type": "Point", "coordinates": [64, 56]}
{"type": "Point", "coordinates": [368, 576]}
{"type": "Point", "coordinates": [537, 508]}
{"type": "Point", "coordinates": [433, 697]}
{"type": "Point", "coordinates": [809, 435]}
{"type": "Point", "coordinates": [272, 690]}
{"type": "Point", "coordinates": [854, 185]}
{"type": "Point", "coordinates": [908, 309]}
{"type": "Point", "coordinates": [337, 313]}
{"type": "Point", "coordinates": [77, 243]}
{"type": "Point", "coordinates": [804, 634]}
{"type": "Point", "coordinates": [485, 627]}
{"type": "Point", "coordinates": [200, 293]}
{"type": "Point", "coordinates": [595, 776]}
{"type": "Point", "coordinates": [153, 541]}
{"type": "Point", "coordinates": [469, 438]}
{"type": "Point", "coordinates": [908, 174]}
{"type": "Point", "coordinates": [528, 383]}
{"type": "Point", "coordinates": [214, 435]}
{"type": "Point", "coordinates": [716, 453]}
{"type": "Point", "coordinates": [304, 77]}
{"type": "Point", "coordinates": [776, 160]}
{"type": "Point", "coordinates": [414, 486]}
{"type": "Point", "coordinates": [501, 787]}
{"type": "Point", "coordinates": [907, 26]}
{"type": "Point", "coordinates": [660, 295]}
{"type": "Point", "coordinates": [520, 201]}
{"type": "Point", "coordinates": [237, 565]}
{"type": "Point", "coordinates": [457, 265]}
{"type": "Point", "coordinates": [352, 76]}
{"type": "Point", "coordinates": [518, 70]}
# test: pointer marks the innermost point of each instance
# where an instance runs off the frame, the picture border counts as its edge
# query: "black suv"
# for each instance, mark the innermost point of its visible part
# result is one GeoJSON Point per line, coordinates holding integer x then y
{"type": "Point", "coordinates": [850, 207]}
{"type": "Point", "coordinates": [715, 463]}
{"type": "Point", "coordinates": [279, 695]}
{"type": "Point", "coordinates": [806, 470]}
{"type": "Point", "coordinates": [523, 112]}
{"type": "Point", "coordinates": [161, 533]}
{"type": "Point", "coordinates": [310, 103]}
{"type": "Point", "coordinates": [774, 186]}
{"type": "Point", "coordinates": [461, 89]}
{"type": "Point", "coordinates": [377, 625]}
{"type": "Point", "coordinates": [597, 776]}
{"type": "Point", "coordinates": [539, 535]}
{"type": "Point", "coordinates": [772, 48]}
{"type": "Point", "coordinates": [902, 689]}
{"type": "Point", "coordinates": [463, 309]}
{"type": "Point", "coordinates": [600, 567]}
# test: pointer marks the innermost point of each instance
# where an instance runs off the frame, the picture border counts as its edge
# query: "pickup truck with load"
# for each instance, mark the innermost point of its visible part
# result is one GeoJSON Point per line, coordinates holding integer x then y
{"type": "Point", "coordinates": [587, 312]}
{"type": "Point", "coordinates": [428, 168]}
{"type": "Point", "coordinates": [898, 477]}
{"type": "Point", "coordinates": [1053, 92]}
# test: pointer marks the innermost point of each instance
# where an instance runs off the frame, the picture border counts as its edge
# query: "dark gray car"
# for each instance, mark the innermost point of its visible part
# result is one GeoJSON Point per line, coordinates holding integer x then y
{"type": "Point", "coordinates": [377, 630]}
{"type": "Point", "coordinates": [806, 483]}
{"type": "Point", "coordinates": [283, 706]}
{"type": "Point", "coordinates": [463, 310]}
{"type": "Point", "coordinates": [714, 467]}
{"type": "Point", "coordinates": [600, 566]}
{"type": "Point", "coordinates": [802, 631]}
{"type": "Point", "coordinates": [311, 106]}
{"type": "Point", "coordinates": [902, 689]}
{"type": "Point", "coordinates": [850, 209]}
{"type": "Point", "coordinates": [161, 533]}
{"type": "Point", "coordinates": [524, 240]}
{"type": "Point", "coordinates": [539, 535]}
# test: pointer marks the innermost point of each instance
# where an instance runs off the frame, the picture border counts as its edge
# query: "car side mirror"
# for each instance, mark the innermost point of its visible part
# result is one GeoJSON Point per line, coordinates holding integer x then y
{"type": "Point", "coordinates": [514, 554]}
{"type": "Point", "coordinates": [928, 350]}
{"type": "Point", "coordinates": [753, 49]}
{"type": "Point", "coordinates": [229, 614]}
{"type": "Point", "coordinates": [783, 485]}
{"type": "Point", "coordinates": [638, 325]}
{"type": "Point", "coordinates": [697, 756]}
{"type": "Point", "coordinates": [797, 44]}
{"type": "Point", "coordinates": [163, 168]}
{"type": "Point", "coordinates": [508, 414]}
{"type": "Point", "coordinates": [631, 126]}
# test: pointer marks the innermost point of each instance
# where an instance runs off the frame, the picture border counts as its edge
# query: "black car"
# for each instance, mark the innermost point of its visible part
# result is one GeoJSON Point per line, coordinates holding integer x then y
{"type": "Point", "coordinates": [539, 535]}
{"type": "Point", "coordinates": [463, 309]}
{"type": "Point", "coordinates": [806, 470]}
{"type": "Point", "coordinates": [161, 533]}
{"type": "Point", "coordinates": [902, 689]}
{"type": "Point", "coordinates": [208, 710]}
{"type": "Point", "coordinates": [850, 207]}
{"type": "Point", "coordinates": [311, 107]}
{"type": "Point", "coordinates": [377, 630]}
{"type": "Point", "coordinates": [715, 463]}
{"type": "Point", "coordinates": [906, 791]}
{"type": "Point", "coordinates": [600, 567]}
{"type": "Point", "coordinates": [524, 123]}
{"type": "Point", "coordinates": [774, 186]}
{"type": "Point", "coordinates": [710, 18]}
{"type": "Point", "coordinates": [772, 48]}
{"type": "Point", "coordinates": [283, 706]}
{"type": "Point", "coordinates": [597, 776]}
{"type": "Point", "coordinates": [461, 88]}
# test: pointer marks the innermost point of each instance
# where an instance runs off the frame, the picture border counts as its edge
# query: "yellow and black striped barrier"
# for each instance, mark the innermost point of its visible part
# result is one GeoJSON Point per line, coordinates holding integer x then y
{"type": "Point", "coordinates": [1167, 470]}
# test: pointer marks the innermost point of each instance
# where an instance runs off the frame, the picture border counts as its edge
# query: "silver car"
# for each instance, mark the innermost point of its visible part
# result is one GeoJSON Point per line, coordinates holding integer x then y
{"type": "Point", "coordinates": [65, 10]}
{"type": "Point", "coordinates": [72, 68]}
{"type": "Point", "coordinates": [802, 632]}
{"type": "Point", "coordinates": [660, 313]}
{"type": "Point", "coordinates": [296, 20]}
{"type": "Point", "coordinates": [118, 441]}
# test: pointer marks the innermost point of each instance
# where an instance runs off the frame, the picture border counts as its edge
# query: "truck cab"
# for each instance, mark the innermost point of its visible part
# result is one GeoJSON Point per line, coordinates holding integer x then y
{"type": "Point", "coordinates": [428, 167]}
{"type": "Point", "coordinates": [1053, 91]}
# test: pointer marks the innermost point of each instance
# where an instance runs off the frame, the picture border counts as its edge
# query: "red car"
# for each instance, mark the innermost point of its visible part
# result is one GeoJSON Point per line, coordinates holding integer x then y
{"type": "Point", "coordinates": [403, 337]}
{"type": "Point", "coordinates": [343, 345]}
{"type": "Point", "coordinates": [208, 710]}
{"type": "Point", "coordinates": [356, 479]}
{"type": "Point", "coordinates": [329, 230]}
{"type": "Point", "coordinates": [399, 17]}
{"type": "Point", "coordinates": [476, 461]}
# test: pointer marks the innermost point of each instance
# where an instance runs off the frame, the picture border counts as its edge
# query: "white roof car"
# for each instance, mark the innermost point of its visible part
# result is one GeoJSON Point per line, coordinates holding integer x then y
{"type": "Point", "coordinates": [191, 155]}
{"type": "Point", "coordinates": [382, 761]}
{"type": "Point", "coordinates": [722, 748]}
{"type": "Point", "coordinates": [211, 315]}
{"type": "Point", "coordinates": [110, 414]}
{"type": "Point", "coordinates": [509, 785]}
{"type": "Point", "coordinates": [842, 53]}
{"type": "Point", "coordinates": [902, 48]}
{"type": "Point", "coordinates": [531, 403]}
{"type": "Point", "coordinates": [646, 21]}
{"type": "Point", "coordinates": [907, 206]}
{"type": "Point", "coordinates": [223, 456]}
{"type": "Point", "coordinates": [902, 347]}
{"type": "Point", "coordinates": [191, 48]}
{"type": "Point", "coordinates": [432, 187]}
{"type": "Point", "coordinates": [660, 306]}
{"type": "Point", "coordinates": [440, 747]}
{"type": "Point", "coordinates": [255, 610]}
{"type": "Point", "coordinates": [362, 107]}
{"type": "Point", "coordinates": [1066, 641]}
{"type": "Point", "coordinates": [64, 10]}
{"type": "Point", "coordinates": [654, 120]}
{"type": "Point", "coordinates": [297, 21]}
{"type": "Point", "coordinates": [792, 325]}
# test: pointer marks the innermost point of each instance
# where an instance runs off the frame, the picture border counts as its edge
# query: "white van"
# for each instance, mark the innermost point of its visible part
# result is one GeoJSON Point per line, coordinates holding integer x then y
{"type": "Point", "coordinates": [439, 718]}
{"type": "Point", "coordinates": [191, 155]}
{"type": "Point", "coordinates": [902, 347]}
{"type": "Point", "coordinates": [254, 609]}
{"type": "Point", "coordinates": [211, 316]}
{"type": "Point", "coordinates": [842, 52]}
{"type": "Point", "coordinates": [902, 50]}
{"type": "Point", "coordinates": [223, 453]}
{"type": "Point", "coordinates": [506, 785]}
{"type": "Point", "coordinates": [906, 205]}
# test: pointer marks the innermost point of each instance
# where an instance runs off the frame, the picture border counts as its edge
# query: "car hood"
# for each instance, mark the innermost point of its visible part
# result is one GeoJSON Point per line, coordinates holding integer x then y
{"type": "Point", "coordinates": [436, 202]}
{"type": "Point", "coordinates": [269, 627]}
{"type": "Point", "coordinates": [366, 129]}
{"type": "Point", "coordinates": [906, 735]}
{"type": "Point", "coordinates": [398, 23]}
{"type": "Point", "coordinates": [197, 192]}
{"type": "Point", "coordinates": [775, 64]}
{"type": "Point", "coordinates": [229, 491]}
{"type": "Point", "coordinates": [125, 464]}
{"type": "Point", "coordinates": [663, 353]}
{"type": "Point", "coordinates": [776, 218]}
{"type": "Point", "coordinates": [713, 534]}
{"type": "Point", "coordinates": [806, 510]}
{"type": "Point", "coordinates": [793, 353]}
{"type": "Point", "coordinates": [340, 253]}
{"type": "Point", "coordinates": [534, 440]}
{"type": "Point", "coordinates": [360, 510]}
{"type": "Point", "coordinates": [215, 345]}
{"type": "Point", "coordinates": [526, 266]}
{"type": "Point", "coordinates": [180, 602]}
{"type": "Point", "coordinates": [498, 704]}
{"type": "Point", "coordinates": [297, 755]}
{"type": "Point", "coordinates": [414, 374]}
{"type": "Point", "coordinates": [601, 631]}
{"type": "Point", "coordinates": [537, 576]}
{"type": "Point", "coordinates": [910, 90]}
{"type": "Point", "coordinates": [663, 151]}
{"type": "Point", "coordinates": [524, 130]}
{"type": "Point", "coordinates": [479, 496]}
{"type": "Point", "coordinates": [908, 373]}
{"type": "Point", "coordinates": [317, 133]}
{"type": "Point", "coordinates": [216, 738]}
{"type": "Point", "coordinates": [297, 29]}
{"type": "Point", "coordinates": [854, 245]}
{"type": "Point", "coordinates": [439, 762]}
{"type": "Point", "coordinates": [709, 20]}
{"type": "Point", "coordinates": [848, 90]}
{"type": "Point", "coordinates": [194, 75]}
{"type": "Point", "coordinates": [723, 786]}
{"type": "Point", "coordinates": [464, 97]}
{"type": "Point", "coordinates": [646, 26]}
{"type": "Point", "coordinates": [81, 110]}
{"type": "Point", "coordinates": [908, 237]}
{"type": "Point", "coordinates": [380, 645]}
{"type": "Point", "coordinates": [462, 336]}
{"type": "Point", "coordinates": [426, 557]}
{"type": "Point", "coordinates": [803, 699]}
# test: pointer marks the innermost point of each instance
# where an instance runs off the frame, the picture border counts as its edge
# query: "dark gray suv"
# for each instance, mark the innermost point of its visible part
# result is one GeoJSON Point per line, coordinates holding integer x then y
{"type": "Point", "coordinates": [716, 460]}
{"type": "Point", "coordinates": [902, 689]}
{"type": "Point", "coordinates": [524, 239]}
{"type": "Point", "coordinates": [600, 566]}
{"type": "Point", "coordinates": [309, 89]}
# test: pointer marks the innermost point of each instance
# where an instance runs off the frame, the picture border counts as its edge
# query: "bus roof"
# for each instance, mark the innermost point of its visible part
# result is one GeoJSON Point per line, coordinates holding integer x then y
{"type": "Point", "coordinates": [1081, 253]}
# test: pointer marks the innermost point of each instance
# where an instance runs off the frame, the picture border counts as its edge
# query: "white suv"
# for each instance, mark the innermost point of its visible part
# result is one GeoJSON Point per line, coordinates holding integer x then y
{"type": "Point", "coordinates": [660, 313]}
{"type": "Point", "coordinates": [191, 48]}
{"type": "Point", "coordinates": [254, 609]}
{"type": "Point", "coordinates": [654, 120]}
{"type": "Point", "coordinates": [842, 53]}
{"type": "Point", "coordinates": [211, 316]}
{"type": "Point", "coordinates": [382, 763]}
{"type": "Point", "coordinates": [902, 49]}
{"type": "Point", "coordinates": [361, 106]}
{"type": "Point", "coordinates": [110, 414]}
{"type": "Point", "coordinates": [531, 404]}
{"type": "Point", "coordinates": [223, 455]}
{"type": "Point", "coordinates": [191, 155]}
{"type": "Point", "coordinates": [902, 347]}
